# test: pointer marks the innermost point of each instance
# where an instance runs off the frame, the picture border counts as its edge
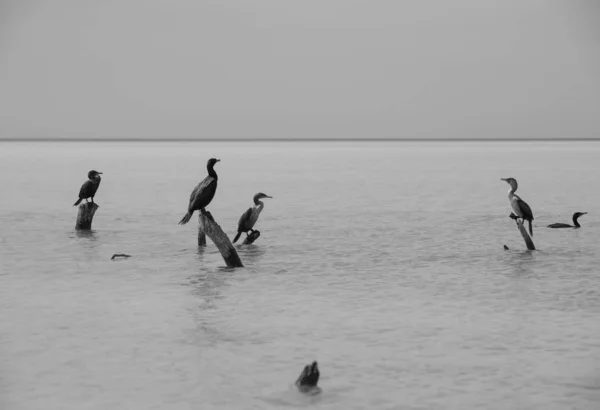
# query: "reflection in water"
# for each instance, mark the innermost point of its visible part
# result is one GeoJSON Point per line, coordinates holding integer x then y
{"type": "Point", "coordinates": [200, 253]}
{"type": "Point", "coordinates": [251, 254]}
{"type": "Point", "coordinates": [522, 262]}
{"type": "Point", "coordinates": [90, 243]}
{"type": "Point", "coordinates": [207, 285]}
{"type": "Point", "coordinates": [91, 234]}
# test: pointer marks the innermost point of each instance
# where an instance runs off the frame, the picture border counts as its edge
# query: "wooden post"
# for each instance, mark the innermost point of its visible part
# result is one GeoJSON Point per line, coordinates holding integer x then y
{"type": "Point", "coordinates": [251, 238]}
{"type": "Point", "coordinates": [215, 233]}
{"type": "Point", "coordinates": [85, 216]}
{"type": "Point", "coordinates": [308, 379]}
{"type": "Point", "coordinates": [524, 234]}
{"type": "Point", "coordinates": [201, 235]}
{"type": "Point", "coordinates": [120, 255]}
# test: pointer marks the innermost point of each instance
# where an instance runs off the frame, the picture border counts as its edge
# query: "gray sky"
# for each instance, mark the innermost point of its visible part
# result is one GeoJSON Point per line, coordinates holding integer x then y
{"type": "Point", "coordinates": [299, 69]}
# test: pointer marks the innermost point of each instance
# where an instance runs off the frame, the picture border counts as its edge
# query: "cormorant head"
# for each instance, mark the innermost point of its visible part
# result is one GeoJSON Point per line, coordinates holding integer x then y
{"type": "Point", "coordinates": [260, 195]}
{"type": "Point", "coordinates": [211, 162]}
{"type": "Point", "coordinates": [578, 214]}
{"type": "Point", "coordinates": [511, 181]}
{"type": "Point", "coordinates": [92, 174]}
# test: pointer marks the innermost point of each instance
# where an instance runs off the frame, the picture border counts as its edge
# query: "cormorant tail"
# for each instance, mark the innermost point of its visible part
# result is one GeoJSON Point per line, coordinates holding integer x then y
{"type": "Point", "coordinates": [186, 218]}
{"type": "Point", "coordinates": [78, 202]}
{"type": "Point", "coordinates": [237, 237]}
{"type": "Point", "coordinates": [530, 228]}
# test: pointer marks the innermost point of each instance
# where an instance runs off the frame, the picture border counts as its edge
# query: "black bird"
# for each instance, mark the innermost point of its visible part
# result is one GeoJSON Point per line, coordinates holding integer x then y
{"type": "Point", "coordinates": [89, 187]}
{"type": "Point", "coordinates": [249, 218]}
{"type": "Point", "coordinates": [576, 216]}
{"type": "Point", "coordinates": [203, 193]}
{"type": "Point", "coordinates": [522, 210]}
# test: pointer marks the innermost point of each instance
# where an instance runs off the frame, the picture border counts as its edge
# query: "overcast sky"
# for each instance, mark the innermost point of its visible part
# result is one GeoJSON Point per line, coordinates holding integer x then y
{"type": "Point", "coordinates": [299, 69]}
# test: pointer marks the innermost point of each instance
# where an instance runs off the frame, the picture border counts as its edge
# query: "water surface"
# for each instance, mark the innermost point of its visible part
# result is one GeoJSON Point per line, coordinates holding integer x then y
{"type": "Point", "coordinates": [383, 261]}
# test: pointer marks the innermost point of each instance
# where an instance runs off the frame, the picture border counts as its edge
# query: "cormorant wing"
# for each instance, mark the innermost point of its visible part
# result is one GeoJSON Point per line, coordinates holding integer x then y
{"type": "Point", "coordinates": [245, 216]}
{"type": "Point", "coordinates": [84, 192]}
{"type": "Point", "coordinates": [527, 213]}
{"type": "Point", "coordinates": [200, 187]}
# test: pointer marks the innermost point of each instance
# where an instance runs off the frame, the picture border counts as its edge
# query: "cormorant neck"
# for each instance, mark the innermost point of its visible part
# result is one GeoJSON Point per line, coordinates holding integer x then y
{"type": "Point", "coordinates": [258, 202]}
{"type": "Point", "coordinates": [211, 171]}
{"type": "Point", "coordinates": [575, 218]}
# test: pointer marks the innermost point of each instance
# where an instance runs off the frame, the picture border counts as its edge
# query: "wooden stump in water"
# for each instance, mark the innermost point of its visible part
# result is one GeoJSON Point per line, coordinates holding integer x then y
{"type": "Point", "coordinates": [308, 379]}
{"type": "Point", "coordinates": [524, 234]}
{"type": "Point", "coordinates": [120, 255]}
{"type": "Point", "coordinates": [201, 235]}
{"type": "Point", "coordinates": [251, 238]}
{"type": "Point", "coordinates": [85, 216]}
{"type": "Point", "coordinates": [209, 227]}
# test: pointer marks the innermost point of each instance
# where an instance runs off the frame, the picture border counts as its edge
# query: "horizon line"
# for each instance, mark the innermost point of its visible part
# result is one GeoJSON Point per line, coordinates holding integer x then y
{"type": "Point", "coordinates": [144, 139]}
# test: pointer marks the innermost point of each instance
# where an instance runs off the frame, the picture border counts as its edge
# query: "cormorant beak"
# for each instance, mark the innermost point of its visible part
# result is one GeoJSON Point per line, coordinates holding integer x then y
{"type": "Point", "coordinates": [218, 160]}
{"type": "Point", "coordinates": [98, 172]}
{"type": "Point", "coordinates": [503, 179]}
{"type": "Point", "coordinates": [267, 196]}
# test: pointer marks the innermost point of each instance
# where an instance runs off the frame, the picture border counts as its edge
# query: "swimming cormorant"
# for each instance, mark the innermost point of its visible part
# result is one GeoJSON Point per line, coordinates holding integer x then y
{"type": "Point", "coordinates": [89, 187]}
{"type": "Point", "coordinates": [576, 216]}
{"type": "Point", "coordinates": [203, 193]}
{"type": "Point", "coordinates": [520, 207]}
{"type": "Point", "coordinates": [249, 218]}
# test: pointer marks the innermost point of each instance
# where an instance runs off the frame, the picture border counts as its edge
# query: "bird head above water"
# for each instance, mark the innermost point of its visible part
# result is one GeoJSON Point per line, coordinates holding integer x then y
{"type": "Point", "coordinates": [512, 182]}
{"type": "Point", "coordinates": [576, 215]}
{"type": "Point", "coordinates": [93, 174]}
{"type": "Point", "coordinates": [260, 196]}
{"type": "Point", "coordinates": [211, 162]}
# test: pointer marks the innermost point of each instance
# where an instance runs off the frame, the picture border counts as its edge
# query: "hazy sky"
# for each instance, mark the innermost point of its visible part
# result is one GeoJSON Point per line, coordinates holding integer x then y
{"type": "Point", "coordinates": [295, 69]}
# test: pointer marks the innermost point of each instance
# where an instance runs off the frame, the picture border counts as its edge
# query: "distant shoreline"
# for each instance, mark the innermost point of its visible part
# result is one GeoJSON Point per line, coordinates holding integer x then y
{"type": "Point", "coordinates": [298, 140]}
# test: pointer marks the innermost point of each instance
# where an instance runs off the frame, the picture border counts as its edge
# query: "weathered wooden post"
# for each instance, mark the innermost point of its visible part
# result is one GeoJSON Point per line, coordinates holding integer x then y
{"type": "Point", "coordinates": [201, 235]}
{"type": "Point", "coordinates": [209, 227]}
{"type": "Point", "coordinates": [524, 234]}
{"type": "Point", "coordinates": [251, 238]}
{"type": "Point", "coordinates": [86, 215]}
{"type": "Point", "coordinates": [308, 379]}
{"type": "Point", "coordinates": [120, 255]}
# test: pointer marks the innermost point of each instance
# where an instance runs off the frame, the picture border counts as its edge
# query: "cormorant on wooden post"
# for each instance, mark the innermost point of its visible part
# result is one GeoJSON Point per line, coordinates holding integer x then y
{"type": "Point", "coordinates": [86, 212]}
{"type": "Point", "coordinates": [89, 187]}
{"type": "Point", "coordinates": [249, 218]}
{"type": "Point", "coordinates": [203, 193]}
{"type": "Point", "coordinates": [521, 210]}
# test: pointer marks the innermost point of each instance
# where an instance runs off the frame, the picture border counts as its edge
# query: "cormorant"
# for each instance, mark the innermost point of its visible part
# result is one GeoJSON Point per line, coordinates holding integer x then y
{"type": "Point", "coordinates": [89, 187]}
{"type": "Point", "coordinates": [249, 218]}
{"type": "Point", "coordinates": [520, 207]}
{"type": "Point", "coordinates": [576, 216]}
{"type": "Point", "coordinates": [203, 193]}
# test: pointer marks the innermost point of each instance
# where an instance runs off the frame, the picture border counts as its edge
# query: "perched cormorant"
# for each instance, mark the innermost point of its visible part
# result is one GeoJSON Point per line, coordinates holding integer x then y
{"type": "Point", "coordinates": [576, 216]}
{"type": "Point", "coordinates": [203, 193]}
{"type": "Point", "coordinates": [249, 218]}
{"type": "Point", "coordinates": [520, 207]}
{"type": "Point", "coordinates": [89, 187]}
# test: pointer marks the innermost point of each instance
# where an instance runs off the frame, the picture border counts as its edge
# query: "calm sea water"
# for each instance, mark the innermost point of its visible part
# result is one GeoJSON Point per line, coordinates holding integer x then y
{"type": "Point", "coordinates": [383, 261]}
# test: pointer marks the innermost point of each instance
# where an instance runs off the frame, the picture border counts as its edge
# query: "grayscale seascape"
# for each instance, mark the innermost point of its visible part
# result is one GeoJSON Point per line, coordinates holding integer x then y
{"type": "Point", "coordinates": [384, 261]}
